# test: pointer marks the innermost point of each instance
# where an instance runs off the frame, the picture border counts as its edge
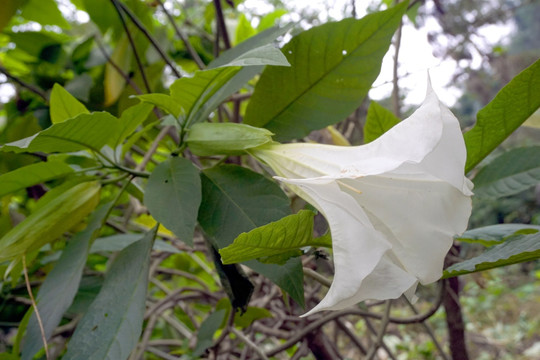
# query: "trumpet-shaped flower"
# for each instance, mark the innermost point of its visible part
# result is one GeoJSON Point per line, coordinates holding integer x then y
{"type": "Point", "coordinates": [393, 205]}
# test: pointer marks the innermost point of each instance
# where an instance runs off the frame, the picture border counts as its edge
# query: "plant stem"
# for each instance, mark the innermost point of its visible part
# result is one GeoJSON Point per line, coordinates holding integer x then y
{"type": "Point", "coordinates": [24, 84]}
{"type": "Point", "coordinates": [194, 55]}
{"type": "Point", "coordinates": [150, 38]}
{"type": "Point", "coordinates": [34, 305]}
{"type": "Point", "coordinates": [117, 6]}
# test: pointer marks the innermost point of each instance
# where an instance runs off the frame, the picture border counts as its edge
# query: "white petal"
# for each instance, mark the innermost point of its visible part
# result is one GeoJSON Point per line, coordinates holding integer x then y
{"type": "Point", "coordinates": [357, 246]}
{"type": "Point", "coordinates": [431, 132]}
{"type": "Point", "coordinates": [418, 217]}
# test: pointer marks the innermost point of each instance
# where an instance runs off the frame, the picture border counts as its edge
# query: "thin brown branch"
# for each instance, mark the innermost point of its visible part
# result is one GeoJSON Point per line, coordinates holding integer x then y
{"type": "Point", "coordinates": [384, 323]}
{"type": "Point", "coordinates": [117, 68]}
{"type": "Point", "coordinates": [222, 28]}
{"type": "Point", "coordinates": [34, 305]}
{"type": "Point", "coordinates": [24, 84]}
{"type": "Point", "coordinates": [249, 343]}
{"type": "Point", "coordinates": [118, 6]}
{"type": "Point", "coordinates": [149, 36]}
{"type": "Point", "coordinates": [194, 55]}
{"type": "Point", "coordinates": [354, 311]}
{"type": "Point", "coordinates": [429, 330]}
{"type": "Point", "coordinates": [345, 328]}
{"type": "Point", "coordinates": [395, 90]}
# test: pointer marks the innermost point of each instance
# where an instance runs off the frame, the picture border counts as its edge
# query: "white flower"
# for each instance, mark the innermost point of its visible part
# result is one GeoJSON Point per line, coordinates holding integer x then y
{"type": "Point", "coordinates": [393, 205]}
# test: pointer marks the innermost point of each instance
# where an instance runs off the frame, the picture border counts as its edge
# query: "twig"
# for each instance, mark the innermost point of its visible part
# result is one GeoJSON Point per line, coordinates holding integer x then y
{"type": "Point", "coordinates": [222, 28]}
{"type": "Point", "coordinates": [162, 354]}
{"type": "Point", "coordinates": [395, 90]}
{"type": "Point", "coordinates": [354, 311]}
{"type": "Point", "coordinates": [148, 155]}
{"type": "Point", "coordinates": [150, 38]}
{"type": "Point", "coordinates": [24, 84]}
{"type": "Point", "coordinates": [249, 343]}
{"type": "Point", "coordinates": [317, 277]}
{"type": "Point", "coordinates": [36, 311]}
{"type": "Point", "coordinates": [149, 328]}
{"type": "Point", "coordinates": [117, 6]}
{"type": "Point", "coordinates": [194, 55]}
{"type": "Point", "coordinates": [225, 332]}
{"type": "Point", "coordinates": [429, 330]}
{"type": "Point", "coordinates": [117, 68]}
{"type": "Point", "coordinates": [185, 274]}
{"type": "Point", "coordinates": [382, 331]}
{"type": "Point", "coordinates": [383, 344]}
{"type": "Point", "coordinates": [343, 326]}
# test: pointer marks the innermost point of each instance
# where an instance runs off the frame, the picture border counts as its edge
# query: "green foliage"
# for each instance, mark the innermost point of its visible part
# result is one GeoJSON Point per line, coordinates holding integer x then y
{"type": "Point", "coordinates": [207, 139]}
{"type": "Point", "coordinates": [112, 325]}
{"type": "Point", "coordinates": [85, 131]}
{"type": "Point", "coordinates": [504, 114]}
{"type": "Point", "coordinates": [63, 279]}
{"type": "Point", "coordinates": [378, 121]}
{"type": "Point", "coordinates": [173, 196]}
{"type": "Point", "coordinates": [227, 220]}
{"type": "Point", "coordinates": [510, 173]}
{"type": "Point", "coordinates": [283, 236]}
{"type": "Point", "coordinates": [209, 326]}
{"type": "Point", "coordinates": [515, 249]}
{"type": "Point", "coordinates": [329, 76]}
{"type": "Point", "coordinates": [50, 221]}
{"type": "Point", "coordinates": [27, 176]}
{"type": "Point", "coordinates": [495, 234]}
{"type": "Point", "coordinates": [231, 202]}
{"type": "Point", "coordinates": [64, 106]}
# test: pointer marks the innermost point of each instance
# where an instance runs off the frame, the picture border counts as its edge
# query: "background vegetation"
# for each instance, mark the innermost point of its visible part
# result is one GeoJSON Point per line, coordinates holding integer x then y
{"type": "Point", "coordinates": [117, 85]}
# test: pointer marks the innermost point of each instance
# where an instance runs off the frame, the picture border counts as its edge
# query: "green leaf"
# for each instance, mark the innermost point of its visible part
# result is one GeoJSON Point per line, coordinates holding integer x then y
{"type": "Point", "coordinates": [194, 94]}
{"type": "Point", "coordinates": [64, 106]}
{"type": "Point", "coordinates": [510, 173]}
{"type": "Point", "coordinates": [234, 281]}
{"type": "Point", "coordinates": [206, 332]}
{"type": "Point", "coordinates": [333, 67]}
{"type": "Point", "coordinates": [85, 131]}
{"type": "Point", "coordinates": [289, 233]}
{"type": "Point", "coordinates": [63, 279]}
{"type": "Point", "coordinates": [45, 12]}
{"type": "Point", "coordinates": [164, 102]}
{"type": "Point", "coordinates": [289, 276]}
{"type": "Point", "coordinates": [114, 83]}
{"type": "Point", "coordinates": [251, 315]}
{"type": "Point", "coordinates": [131, 118]}
{"type": "Point", "coordinates": [495, 234]}
{"type": "Point", "coordinates": [121, 241]}
{"type": "Point", "coordinates": [31, 175]}
{"type": "Point", "coordinates": [173, 196]}
{"type": "Point", "coordinates": [514, 250]}
{"type": "Point", "coordinates": [111, 327]}
{"type": "Point", "coordinates": [263, 55]}
{"type": "Point", "coordinates": [50, 221]}
{"type": "Point", "coordinates": [269, 20]}
{"type": "Point", "coordinates": [102, 13]}
{"type": "Point", "coordinates": [260, 40]}
{"type": "Point", "coordinates": [198, 96]}
{"type": "Point", "coordinates": [205, 139]}
{"type": "Point", "coordinates": [9, 8]}
{"type": "Point", "coordinates": [231, 205]}
{"type": "Point", "coordinates": [244, 30]}
{"type": "Point", "coordinates": [505, 113]}
{"type": "Point", "coordinates": [378, 121]}
{"type": "Point", "coordinates": [231, 202]}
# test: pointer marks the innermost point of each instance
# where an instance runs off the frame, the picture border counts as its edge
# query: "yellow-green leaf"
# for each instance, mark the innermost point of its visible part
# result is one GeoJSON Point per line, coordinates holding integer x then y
{"type": "Point", "coordinates": [64, 106]}
{"type": "Point", "coordinates": [50, 221]}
